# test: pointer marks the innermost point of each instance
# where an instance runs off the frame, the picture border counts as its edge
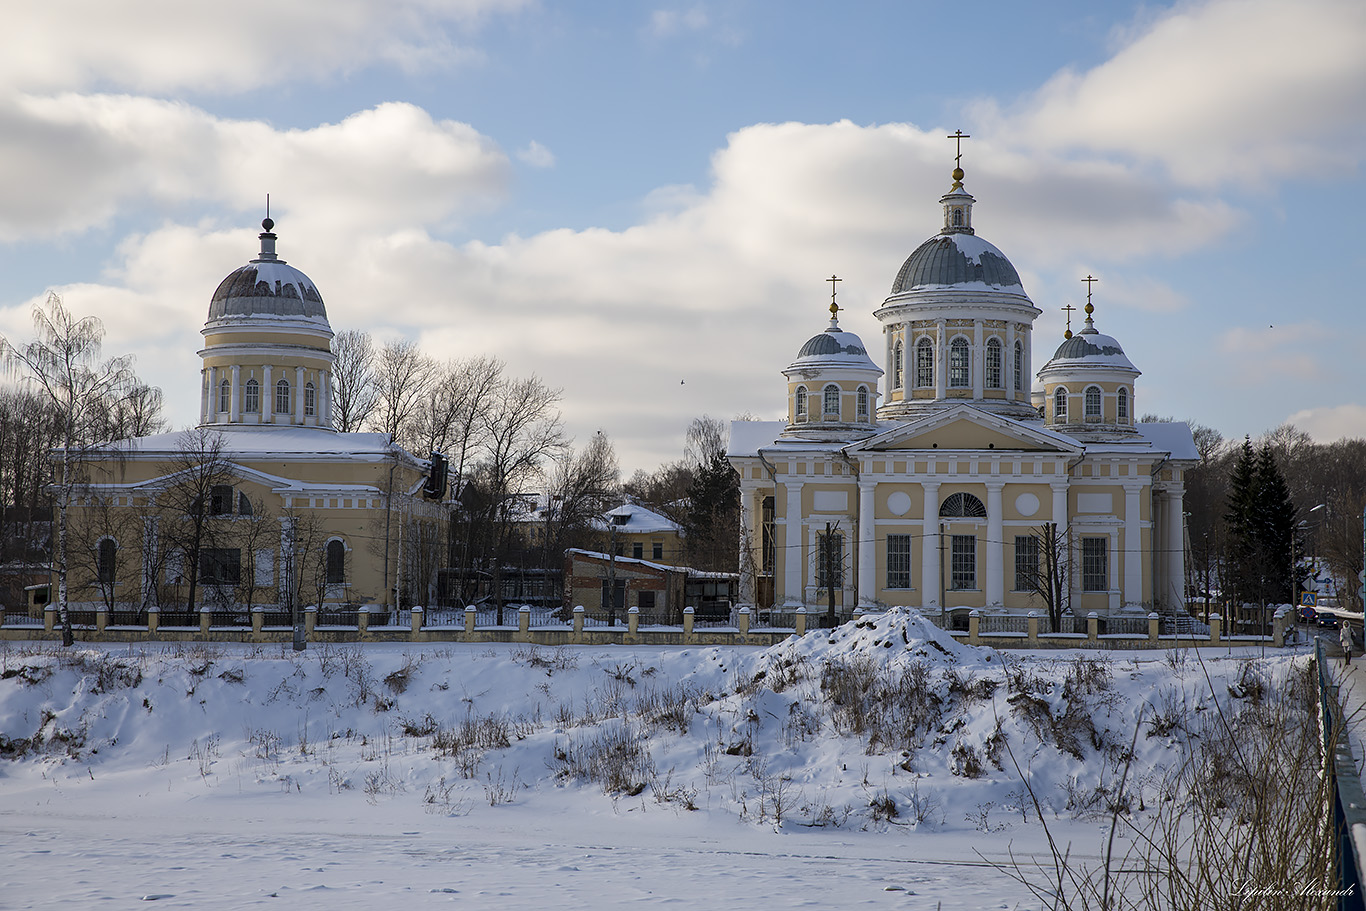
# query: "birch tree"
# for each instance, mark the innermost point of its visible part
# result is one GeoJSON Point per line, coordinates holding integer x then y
{"type": "Point", "coordinates": [64, 364]}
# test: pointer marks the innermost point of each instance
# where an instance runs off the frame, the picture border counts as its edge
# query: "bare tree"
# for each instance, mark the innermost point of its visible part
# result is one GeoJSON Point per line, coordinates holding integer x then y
{"type": "Point", "coordinates": [1048, 577]}
{"type": "Point", "coordinates": [583, 487]}
{"type": "Point", "coordinates": [256, 534]}
{"type": "Point", "coordinates": [198, 492]}
{"type": "Point", "coordinates": [521, 429]}
{"type": "Point", "coordinates": [353, 380]}
{"type": "Point", "coordinates": [706, 439]}
{"type": "Point", "coordinates": [64, 365]}
{"type": "Point", "coordinates": [403, 375]}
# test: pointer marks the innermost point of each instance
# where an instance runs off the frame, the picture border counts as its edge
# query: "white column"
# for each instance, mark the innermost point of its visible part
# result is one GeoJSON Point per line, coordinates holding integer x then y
{"type": "Point", "coordinates": [996, 579]}
{"type": "Point", "coordinates": [746, 587]}
{"type": "Point", "coordinates": [793, 552]}
{"type": "Point", "coordinates": [211, 414]}
{"type": "Point", "coordinates": [1175, 546]}
{"type": "Point", "coordinates": [235, 413]}
{"type": "Point", "coordinates": [299, 396]}
{"type": "Point", "coordinates": [941, 367]}
{"type": "Point", "coordinates": [1133, 546]}
{"type": "Point", "coordinates": [867, 545]}
{"type": "Point", "coordinates": [1028, 361]}
{"type": "Point", "coordinates": [929, 549]}
{"type": "Point", "coordinates": [325, 399]}
{"type": "Point", "coordinates": [267, 396]}
{"type": "Point", "coordinates": [978, 364]}
{"type": "Point", "coordinates": [1009, 358]}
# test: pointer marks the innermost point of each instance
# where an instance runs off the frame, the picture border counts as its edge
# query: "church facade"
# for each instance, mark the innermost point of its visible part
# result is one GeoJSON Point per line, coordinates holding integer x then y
{"type": "Point", "coordinates": [263, 503]}
{"type": "Point", "coordinates": [945, 480]}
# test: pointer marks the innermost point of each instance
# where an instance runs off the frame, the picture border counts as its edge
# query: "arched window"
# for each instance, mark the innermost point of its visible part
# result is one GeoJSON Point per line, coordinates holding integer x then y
{"type": "Point", "coordinates": [282, 397]}
{"type": "Point", "coordinates": [1122, 406]}
{"type": "Point", "coordinates": [863, 403]}
{"type": "Point", "coordinates": [801, 402]}
{"type": "Point", "coordinates": [243, 505]}
{"type": "Point", "coordinates": [1019, 367]}
{"type": "Point", "coordinates": [1060, 405]}
{"type": "Point", "coordinates": [336, 562]}
{"type": "Point", "coordinates": [310, 400]}
{"type": "Point", "coordinates": [220, 500]}
{"type": "Point", "coordinates": [960, 363]}
{"type": "Point", "coordinates": [958, 218]}
{"type": "Point", "coordinates": [224, 396]}
{"type": "Point", "coordinates": [993, 379]}
{"type": "Point", "coordinates": [1092, 403]}
{"type": "Point", "coordinates": [251, 403]}
{"type": "Point", "coordinates": [924, 363]}
{"type": "Point", "coordinates": [962, 506]}
{"type": "Point", "coordinates": [105, 565]}
{"type": "Point", "coordinates": [897, 365]}
{"type": "Point", "coordinates": [830, 403]}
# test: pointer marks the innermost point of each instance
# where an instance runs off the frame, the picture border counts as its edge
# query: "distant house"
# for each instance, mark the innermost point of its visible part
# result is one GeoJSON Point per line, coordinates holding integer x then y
{"type": "Point", "coordinates": [642, 534]}
{"type": "Point", "coordinates": [608, 586]}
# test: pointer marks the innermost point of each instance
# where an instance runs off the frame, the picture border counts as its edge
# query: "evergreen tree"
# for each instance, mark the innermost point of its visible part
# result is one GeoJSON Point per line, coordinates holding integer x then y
{"type": "Point", "coordinates": [712, 525]}
{"type": "Point", "coordinates": [1275, 520]}
{"type": "Point", "coordinates": [1240, 521]}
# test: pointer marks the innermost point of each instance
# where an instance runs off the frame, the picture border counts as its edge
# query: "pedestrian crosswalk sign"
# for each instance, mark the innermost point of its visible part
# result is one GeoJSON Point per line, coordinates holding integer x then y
{"type": "Point", "coordinates": [1309, 599]}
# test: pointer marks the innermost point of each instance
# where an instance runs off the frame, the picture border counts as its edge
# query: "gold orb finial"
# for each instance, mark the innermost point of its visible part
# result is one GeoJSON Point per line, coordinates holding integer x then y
{"type": "Point", "coordinates": [957, 173]}
{"type": "Point", "coordinates": [1067, 334]}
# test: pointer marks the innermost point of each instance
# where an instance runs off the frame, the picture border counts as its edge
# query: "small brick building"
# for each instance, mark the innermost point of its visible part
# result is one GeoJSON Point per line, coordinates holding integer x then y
{"type": "Point", "coordinates": [659, 590]}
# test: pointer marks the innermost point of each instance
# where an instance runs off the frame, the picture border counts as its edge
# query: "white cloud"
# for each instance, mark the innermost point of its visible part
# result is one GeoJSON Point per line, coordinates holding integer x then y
{"type": "Point", "coordinates": [167, 45]}
{"type": "Point", "coordinates": [1330, 423]}
{"type": "Point", "coordinates": [82, 157]}
{"type": "Point", "coordinates": [1230, 90]}
{"type": "Point", "coordinates": [665, 23]}
{"type": "Point", "coordinates": [536, 155]}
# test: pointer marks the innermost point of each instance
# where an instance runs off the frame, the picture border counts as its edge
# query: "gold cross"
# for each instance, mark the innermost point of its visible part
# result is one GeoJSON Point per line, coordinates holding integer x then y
{"type": "Point", "coordinates": [958, 136]}
{"type": "Point", "coordinates": [1069, 308]}
{"type": "Point", "coordinates": [1089, 282]}
{"type": "Point", "coordinates": [834, 308]}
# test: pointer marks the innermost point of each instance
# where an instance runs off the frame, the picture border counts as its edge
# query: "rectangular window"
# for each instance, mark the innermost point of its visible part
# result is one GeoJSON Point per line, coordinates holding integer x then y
{"type": "Point", "coordinates": [638, 549]}
{"type": "Point", "coordinates": [647, 602]}
{"type": "Point", "coordinates": [220, 566]}
{"type": "Point", "coordinates": [898, 561]}
{"type": "Point", "coordinates": [1095, 564]}
{"type": "Point", "coordinates": [657, 550]}
{"type": "Point", "coordinates": [1026, 562]}
{"type": "Point", "coordinates": [963, 563]}
{"type": "Point", "coordinates": [830, 560]}
{"type": "Point", "coordinates": [769, 542]}
{"type": "Point", "coordinates": [617, 603]}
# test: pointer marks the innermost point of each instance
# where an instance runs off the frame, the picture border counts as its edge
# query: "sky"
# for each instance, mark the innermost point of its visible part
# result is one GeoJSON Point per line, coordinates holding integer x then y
{"type": "Point", "coordinates": [639, 204]}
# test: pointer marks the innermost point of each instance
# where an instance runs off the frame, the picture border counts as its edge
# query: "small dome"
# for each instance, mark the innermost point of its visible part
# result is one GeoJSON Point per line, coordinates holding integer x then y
{"type": "Point", "coordinates": [267, 287]}
{"type": "Point", "coordinates": [1091, 348]}
{"type": "Point", "coordinates": [946, 260]}
{"type": "Point", "coordinates": [834, 347]}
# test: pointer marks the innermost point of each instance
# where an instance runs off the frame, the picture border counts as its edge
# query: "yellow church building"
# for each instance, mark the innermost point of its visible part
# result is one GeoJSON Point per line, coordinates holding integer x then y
{"type": "Point", "coordinates": [949, 490]}
{"type": "Point", "coordinates": [263, 503]}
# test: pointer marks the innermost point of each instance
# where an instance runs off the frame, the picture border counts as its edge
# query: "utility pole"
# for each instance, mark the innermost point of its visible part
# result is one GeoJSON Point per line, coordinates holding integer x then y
{"type": "Point", "coordinates": [612, 580]}
{"type": "Point", "coordinates": [831, 562]}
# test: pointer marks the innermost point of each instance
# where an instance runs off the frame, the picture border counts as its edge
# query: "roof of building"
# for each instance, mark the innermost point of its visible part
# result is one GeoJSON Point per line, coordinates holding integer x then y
{"type": "Point", "coordinates": [662, 567]}
{"type": "Point", "coordinates": [269, 440]}
{"type": "Point", "coordinates": [1090, 348]}
{"type": "Point", "coordinates": [639, 520]}
{"type": "Point", "coordinates": [835, 348]}
{"type": "Point", "coordinates": [267, 287]}
{"type": "Point", "coordinates": [957, 259]}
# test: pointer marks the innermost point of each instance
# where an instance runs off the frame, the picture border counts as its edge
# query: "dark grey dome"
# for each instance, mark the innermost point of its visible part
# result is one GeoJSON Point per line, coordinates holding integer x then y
{"type": "Point", "coordinates": [1080, 346]}
{"type": "Point", "coordinates": [956, 259]}
{"type": "Point", "coordinates": [828, 343]}
{"type": "Point", "coordinates": [267, 289]}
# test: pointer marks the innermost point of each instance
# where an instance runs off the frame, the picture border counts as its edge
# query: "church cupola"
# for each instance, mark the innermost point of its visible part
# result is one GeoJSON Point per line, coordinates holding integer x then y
{"type": "Point", "coordinates": [267, 347]}
{"type": "Point", "coordinates": [832, 386]}
{"type": "Point", "coordinates": [957, 324]}
{"type": "Point", "coordinates": [1088, 384]}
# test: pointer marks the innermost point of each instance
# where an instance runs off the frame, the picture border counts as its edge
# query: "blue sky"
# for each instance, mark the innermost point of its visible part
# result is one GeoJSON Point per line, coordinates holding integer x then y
{"type": "Point", "coordinates": [639, 203]}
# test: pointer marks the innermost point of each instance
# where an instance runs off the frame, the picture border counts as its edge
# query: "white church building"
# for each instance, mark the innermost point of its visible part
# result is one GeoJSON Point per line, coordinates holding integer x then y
{"type": "Point", "coordinates": [939, 481]}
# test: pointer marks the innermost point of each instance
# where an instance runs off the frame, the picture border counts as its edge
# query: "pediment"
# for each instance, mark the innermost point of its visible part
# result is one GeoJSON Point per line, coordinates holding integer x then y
{"type": "Point", "coordinates": [963, 428]}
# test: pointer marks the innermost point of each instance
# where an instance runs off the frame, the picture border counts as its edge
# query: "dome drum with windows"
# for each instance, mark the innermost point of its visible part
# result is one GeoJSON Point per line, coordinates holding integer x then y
{"type": "Point", "coordinates": [267, 355]}
{"type": "Point", "coordinates": [1088, 385]}
{"type": "Point", "coordinates": [832, 385]}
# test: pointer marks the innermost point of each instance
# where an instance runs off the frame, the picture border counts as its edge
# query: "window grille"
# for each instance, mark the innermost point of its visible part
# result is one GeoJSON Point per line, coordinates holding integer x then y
{"type": "Point", "coordinates": [924, 363]}
{"type": "Point", "coordinates": [1095, 569]}
{"type": "Point", "coordinates": [960, 363]}
{"type": "Point", "coordinates": [898, 561]}
{"type": "Point", "coordinates": [993, 378]}
{"type": "Point", "coordinates": [963, 563]}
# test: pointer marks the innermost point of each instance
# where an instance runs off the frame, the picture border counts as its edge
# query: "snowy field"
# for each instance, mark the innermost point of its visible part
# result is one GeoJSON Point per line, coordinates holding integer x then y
{"type": "Point", "coordinates": [876, 766]}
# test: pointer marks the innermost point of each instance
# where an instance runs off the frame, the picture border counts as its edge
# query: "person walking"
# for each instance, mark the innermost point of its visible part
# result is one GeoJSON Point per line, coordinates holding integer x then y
{"type": "Point", "coordinates": [1345, 637]}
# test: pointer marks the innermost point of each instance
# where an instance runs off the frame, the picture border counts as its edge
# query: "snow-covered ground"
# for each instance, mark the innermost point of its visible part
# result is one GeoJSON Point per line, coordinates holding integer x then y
{"type": "Point", "coordinates": [878, 765]}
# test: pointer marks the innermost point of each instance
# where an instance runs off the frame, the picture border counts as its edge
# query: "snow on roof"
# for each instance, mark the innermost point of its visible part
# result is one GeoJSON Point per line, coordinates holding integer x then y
{"type": "Point", "coordinates": [272, 441]}
{"type": "Point", "coordinates": [1172, 437]}
{"type": "Point", "coordinates": [640, 520]}
{"type": "Point", "coordinates": [662, 567]}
